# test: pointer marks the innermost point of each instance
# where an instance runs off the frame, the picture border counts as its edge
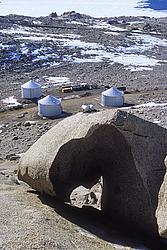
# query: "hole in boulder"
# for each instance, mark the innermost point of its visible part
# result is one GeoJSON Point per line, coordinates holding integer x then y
{"type": "Point", "coordinates": [82, 196]}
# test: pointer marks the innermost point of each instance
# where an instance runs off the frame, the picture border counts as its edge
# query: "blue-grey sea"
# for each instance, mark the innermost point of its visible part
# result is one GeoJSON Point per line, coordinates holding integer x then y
{"type": "Point", "coordinates": [96, 8]}
{"type": "Point", "coordinates": [157, 5]}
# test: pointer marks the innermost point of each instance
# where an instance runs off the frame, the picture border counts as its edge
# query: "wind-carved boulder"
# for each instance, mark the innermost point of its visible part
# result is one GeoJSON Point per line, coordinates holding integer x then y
{"type": "Point", "coordinates": [126, 151]}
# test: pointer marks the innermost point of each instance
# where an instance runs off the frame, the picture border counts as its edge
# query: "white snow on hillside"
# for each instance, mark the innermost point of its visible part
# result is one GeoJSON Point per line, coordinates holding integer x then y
{"type": "Point", "coordinates": [131, 55]}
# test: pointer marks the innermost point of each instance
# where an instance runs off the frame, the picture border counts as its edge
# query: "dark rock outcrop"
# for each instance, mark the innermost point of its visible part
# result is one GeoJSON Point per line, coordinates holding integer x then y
{"type": "Point", "coordinates": [53, 14]}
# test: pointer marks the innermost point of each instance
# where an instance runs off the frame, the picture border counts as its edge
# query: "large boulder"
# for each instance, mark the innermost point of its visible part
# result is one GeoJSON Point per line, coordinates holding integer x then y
{"type": "Point", "coordinates": [126, 151]}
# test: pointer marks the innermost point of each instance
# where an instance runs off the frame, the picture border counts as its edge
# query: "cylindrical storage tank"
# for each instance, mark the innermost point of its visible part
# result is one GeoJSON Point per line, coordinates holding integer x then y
{"type": "Point", "coordinates": [49, 106]}
{"type": "Point", "coordinates": [112, 98]}
{"type": "Point", "coordinates": [31, 90]}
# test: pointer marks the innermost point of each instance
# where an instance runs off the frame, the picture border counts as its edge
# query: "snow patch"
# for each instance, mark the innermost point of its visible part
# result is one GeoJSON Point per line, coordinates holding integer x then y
{"type": "Point", "coordinates": [135, 60]}
{"type": "Point", "coordinates": [51, 64]}
{"type": "Point", "coordinates": [133, 69]}
{"type": "Point", "coordinates": [77, 23]}
{"type": "Point", "coordinates": [80, 44]}
{"type": "Point", "coordinates": [31, 35]}
{"type": "Point", "coordinates": [11, 101]}
{"type": "Point", "coordinates": [17, 30]}
{"type": "Point", "coordinates": [69, 97]}
{"type": "Point", "coordinates": [111, 33]}
{"type": "Point", "coordinates": [37, 22]}
{"type": "Point", "coordinates": [24, 49]}
{"type": "Point", "coordinates": [44, 57]}
{"type": "Point", "coordinates": [151, 105]}
{"type": "Point", "coordinates": [95, 59]}
{"type": "Point", "coordinates": [4, 46]}
{"type": "Point", "coordinates": [71, 36]}
{"type": "Point", "coordinates": [156, 121]}
{"type": "Point", "coordinates": [142, 43]}
{"type": "Point", "coordinates": [55, 81]}
{"type": "Point", "coordinates": [146, 105]}
{"type": "Point", "coordinates": [104, 25]}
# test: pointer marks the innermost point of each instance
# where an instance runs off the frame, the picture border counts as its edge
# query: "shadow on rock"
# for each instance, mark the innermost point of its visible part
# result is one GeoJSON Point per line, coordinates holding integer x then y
{"type": "Point", "coordinates": [111, 230]}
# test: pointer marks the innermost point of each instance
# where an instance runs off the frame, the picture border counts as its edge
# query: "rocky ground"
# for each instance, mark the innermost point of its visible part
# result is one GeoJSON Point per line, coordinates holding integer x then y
{"type": "Point", "coordinates": [70, 49]}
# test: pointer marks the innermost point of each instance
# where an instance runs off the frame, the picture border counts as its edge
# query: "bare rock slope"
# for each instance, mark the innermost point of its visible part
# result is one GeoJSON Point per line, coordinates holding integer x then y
{"type": "Point", "coordinates": [127, 151]}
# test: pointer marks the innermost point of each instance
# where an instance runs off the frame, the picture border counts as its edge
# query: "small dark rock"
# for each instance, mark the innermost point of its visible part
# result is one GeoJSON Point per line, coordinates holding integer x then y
{"type": "Point", "coordinates": [53, 14]}
{"type": "Point", "coordinates": [21, 115]}
{"type": "Point", "coordinates": [15, 138]}
{"type": "Point", "coordinates": [18, 124]}
{"type": "Point", "coordinates": [27, 124]}
{"type": "Point", "coordinates": [14, 158]}
{"type": "Point", "coordinates": [9, 156]}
